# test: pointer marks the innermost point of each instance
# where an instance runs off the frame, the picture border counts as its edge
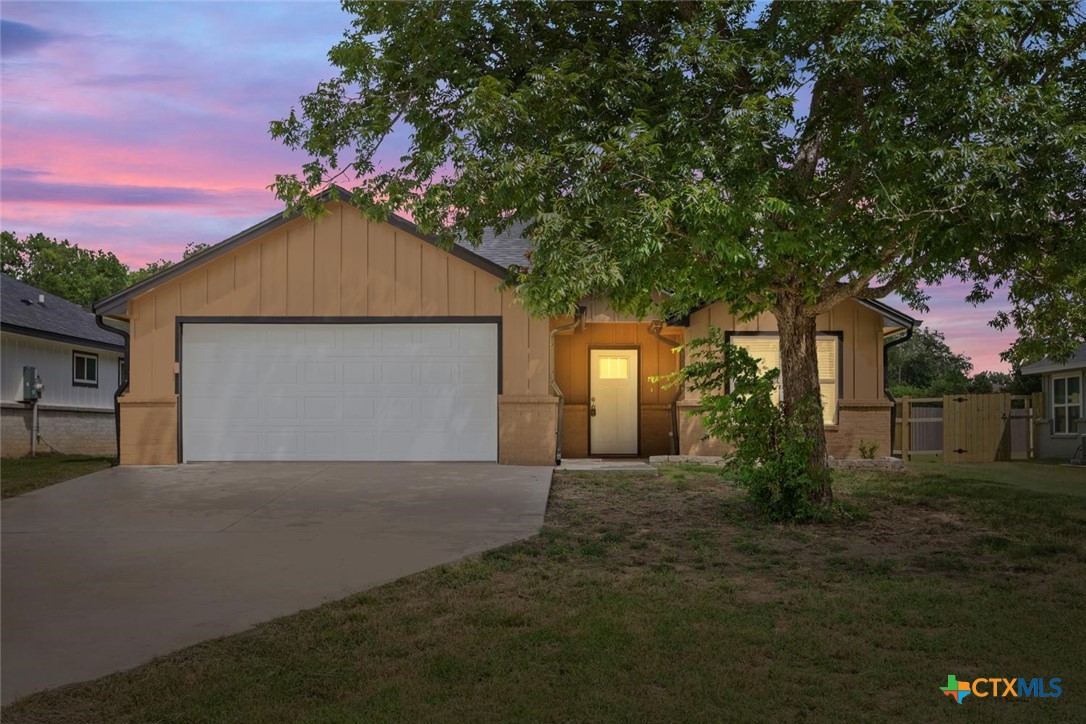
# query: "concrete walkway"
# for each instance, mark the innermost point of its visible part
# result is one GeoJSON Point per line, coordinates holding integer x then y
{"type": "Point", "coordinates": [107, 571]}
{"type": "Point", "coordinates": [604, 465]}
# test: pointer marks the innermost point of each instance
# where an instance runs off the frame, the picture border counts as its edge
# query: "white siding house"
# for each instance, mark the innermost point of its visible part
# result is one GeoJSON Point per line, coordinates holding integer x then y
{"type": "Point", "coordinates": [79, 364]}
{"type": "Point", "coordinates": [1061, 426]}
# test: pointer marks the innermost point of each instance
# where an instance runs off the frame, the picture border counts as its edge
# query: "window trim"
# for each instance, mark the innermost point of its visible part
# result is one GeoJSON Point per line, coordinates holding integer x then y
{"type": "Point", "coordinates": [839, 334]}
{"type": "Point", "coordinates": [1067, 405]}
{"type": "Point", "coordinates": [86, 382]}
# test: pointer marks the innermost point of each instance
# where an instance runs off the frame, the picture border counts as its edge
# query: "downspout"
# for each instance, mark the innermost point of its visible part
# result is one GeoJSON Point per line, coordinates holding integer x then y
{"type": "Point", "coordinates": [123, 387]}
{"type": "Point", "coordinates": [655, 329]}
{"type": "Point", "coordinates": [886, 383]}
{"type": "Point", "coordinates": [577, 319]}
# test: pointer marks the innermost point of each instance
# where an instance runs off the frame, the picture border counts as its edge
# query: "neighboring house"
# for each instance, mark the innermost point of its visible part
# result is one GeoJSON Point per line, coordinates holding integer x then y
{"type": "Point", "coordinates": [347, 339]}
{"type": "Point", "coordinates": [1062, 423]}
{"type": "Point", "coordinates": [79, 364]}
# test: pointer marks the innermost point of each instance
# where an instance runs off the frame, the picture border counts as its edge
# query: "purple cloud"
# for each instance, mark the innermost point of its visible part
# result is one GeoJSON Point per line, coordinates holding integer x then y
{"type": "Point", "coordinates": [22, 38]}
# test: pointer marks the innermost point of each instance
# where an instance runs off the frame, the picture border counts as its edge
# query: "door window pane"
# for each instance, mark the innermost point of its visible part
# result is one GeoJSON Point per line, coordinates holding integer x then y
{"type": "Point", "coordinates": [614, 368]}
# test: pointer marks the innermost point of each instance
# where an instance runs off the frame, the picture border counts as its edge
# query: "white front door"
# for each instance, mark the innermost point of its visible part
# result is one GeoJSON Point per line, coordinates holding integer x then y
{"type": "Point", "coordinates": [612, 409]}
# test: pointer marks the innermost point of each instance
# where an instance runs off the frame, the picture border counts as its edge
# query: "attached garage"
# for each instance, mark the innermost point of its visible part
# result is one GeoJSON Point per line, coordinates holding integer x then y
{"type": "Point", "coordinates": [362, 390]}
{"type": "Point", "coordinates": [338, 338]}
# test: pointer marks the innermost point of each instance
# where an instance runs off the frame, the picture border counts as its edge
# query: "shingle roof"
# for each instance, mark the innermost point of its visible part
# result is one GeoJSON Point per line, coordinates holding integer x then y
{"type": "Point", "coordinates": [1077, 361]}
{"type": "Point", "coordinates": [57, 318]}
{"type": "Point", "coordinates": [505, 249]}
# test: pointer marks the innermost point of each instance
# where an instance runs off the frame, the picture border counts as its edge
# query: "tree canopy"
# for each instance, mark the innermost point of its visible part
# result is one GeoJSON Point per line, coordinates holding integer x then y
{"type": "Point", "coordinates": [62, 268]}
{"type": "Point", "coordinates": [926, 366]}
{"type": "Point", "coordinates": [779, 158]}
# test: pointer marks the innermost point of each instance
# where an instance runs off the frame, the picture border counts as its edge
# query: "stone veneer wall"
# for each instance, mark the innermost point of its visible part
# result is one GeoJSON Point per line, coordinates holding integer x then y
{"type": "Point", "coordinates": [70, 430]}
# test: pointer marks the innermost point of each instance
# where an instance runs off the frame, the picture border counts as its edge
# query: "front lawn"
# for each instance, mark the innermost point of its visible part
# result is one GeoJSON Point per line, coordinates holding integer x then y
{"type": "Point", "coordinates": [21, 475]}
{"type": "Point", "coordinates": [666, 599]}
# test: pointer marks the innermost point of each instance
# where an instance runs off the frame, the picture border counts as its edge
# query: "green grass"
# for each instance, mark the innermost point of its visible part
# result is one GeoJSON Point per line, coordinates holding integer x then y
{"type": "Point", "coordinates": [21, 475]}
{"type": "Point", "coordinates": [667, 599]}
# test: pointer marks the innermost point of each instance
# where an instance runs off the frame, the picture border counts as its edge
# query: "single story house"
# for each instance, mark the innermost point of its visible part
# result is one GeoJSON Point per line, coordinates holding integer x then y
{"type": "Point", "coordinates": [1061, 426]}
{"type": "Point", "coordinates": [80, 365]}
{"type": "Point", "coordinates": [348, 339]}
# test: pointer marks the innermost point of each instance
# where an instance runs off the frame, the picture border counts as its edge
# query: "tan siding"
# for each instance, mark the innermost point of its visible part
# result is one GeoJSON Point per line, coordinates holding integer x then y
{"type": "Point", "coordinates": [539, 357]}
{"type": "Point", "coordinates": [167, 306]}
{"type": "Point", "coordinates": [488, 300]}
{"type": "Point", "coordinates": [300, 271]}
{"type": "Point", "coordinates": [141, 368]}
{"type": "Point", "coordinates": [273, 276]}
{"type": "Point", "coordinates": [246, 300]}
{"type": "Point", "coordinates": [354, 274]}
{"type": "Point", "coordinates": [861, 349]}
{"type": "Point", "coordinates": [515, 351]}
{"type": "Point", "coordinates": [461, 288]}
{"type": "Point", "coordinates": [220, 285]}
{"type": "Point", "coordinates": [408, 289]}
{"type": "Point", "coordinates": [435, 282]}
{"type": "Point", "coordinates": [194, 293]}
{"type": "Point", "coordinates": [382, 270]}
{"type": "Point", "coordinates": [327, 264]}
{"type": "Point", "coordinates": [572, 374]}
{"type": "Point", "coordinates": [340, 265]}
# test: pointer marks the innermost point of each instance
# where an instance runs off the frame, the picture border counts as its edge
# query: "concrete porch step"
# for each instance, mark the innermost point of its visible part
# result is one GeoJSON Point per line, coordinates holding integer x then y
{"type": "Point", "coordinates": [604, 465]}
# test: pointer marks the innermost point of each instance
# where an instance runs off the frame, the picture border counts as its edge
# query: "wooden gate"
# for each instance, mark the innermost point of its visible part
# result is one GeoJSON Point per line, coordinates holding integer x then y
{"type": "Point", "coordinates": [976, 428]}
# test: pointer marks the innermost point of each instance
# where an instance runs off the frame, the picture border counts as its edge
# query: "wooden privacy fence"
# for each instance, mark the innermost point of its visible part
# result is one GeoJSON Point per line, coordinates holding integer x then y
{"type": "Point", "coordinates": [966, 428]}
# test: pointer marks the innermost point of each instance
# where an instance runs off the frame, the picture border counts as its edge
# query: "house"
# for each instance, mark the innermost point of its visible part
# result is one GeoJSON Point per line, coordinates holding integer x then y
{"type": "Point", "coordinates": [80, 366]}
{"type": "Point", "coordinates": [1060, 426]}
{"type": "Point", "coordinates": [347, 339]}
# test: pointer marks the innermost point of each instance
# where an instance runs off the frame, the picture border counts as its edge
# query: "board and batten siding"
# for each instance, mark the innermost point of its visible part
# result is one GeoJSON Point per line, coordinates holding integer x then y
{"type": "Point", "coordinates": [341, 265]}
{"type": "Point", "coordinates": [863, 411]}
{"type": "Point", "coordinates": [53, 363]}
{"type": "Point", "coordinates": [571, 372]}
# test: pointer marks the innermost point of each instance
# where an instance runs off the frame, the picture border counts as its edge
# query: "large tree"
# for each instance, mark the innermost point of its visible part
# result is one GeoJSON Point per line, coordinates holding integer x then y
{"type": "Point", "coordinates": [781, 158]}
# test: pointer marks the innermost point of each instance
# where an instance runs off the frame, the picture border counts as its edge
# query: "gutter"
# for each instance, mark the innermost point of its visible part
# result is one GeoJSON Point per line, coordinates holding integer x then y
{"type": "Point", "coordinates": [886, 380]}
{"type": "Point", "coordinates": [123, 387]}
{"type": "Point", "coordinates": [577, 319]}
{"type": "Point", "coordinates": [655, 329]}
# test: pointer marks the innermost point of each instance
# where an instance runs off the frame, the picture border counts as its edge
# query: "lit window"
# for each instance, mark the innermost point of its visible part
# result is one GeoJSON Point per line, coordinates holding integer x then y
{"type": "Point", "coordinates": [84, 369]}
{"type": "Point", "coordinates": [1066, 404]}
{"type": "Point", "coordinates": [766, 348]}
{"type": "Point", "coordinates": [614, 368]}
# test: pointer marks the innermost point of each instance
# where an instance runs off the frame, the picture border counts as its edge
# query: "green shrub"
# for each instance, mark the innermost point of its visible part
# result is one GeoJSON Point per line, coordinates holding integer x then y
{"type": "Point", "coordinates": [868, 450]}
{"type": "Point", "coordinates": [771, 450]}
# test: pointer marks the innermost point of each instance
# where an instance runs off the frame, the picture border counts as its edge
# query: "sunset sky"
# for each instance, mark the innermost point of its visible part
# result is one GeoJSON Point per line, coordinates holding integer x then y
{"type": "Point", "coordinates": [138, 127]}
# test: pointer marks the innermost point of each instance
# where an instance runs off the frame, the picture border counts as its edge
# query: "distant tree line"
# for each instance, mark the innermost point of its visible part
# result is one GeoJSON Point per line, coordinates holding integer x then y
{"type": "Point", "coordinates": [79, 275]}
{"type": "Point", "coordinates": [926, 366]}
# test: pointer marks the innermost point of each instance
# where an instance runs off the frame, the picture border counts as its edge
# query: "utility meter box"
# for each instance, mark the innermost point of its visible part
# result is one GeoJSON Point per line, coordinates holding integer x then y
{"type": "Point", "coordinates": [32, 386]}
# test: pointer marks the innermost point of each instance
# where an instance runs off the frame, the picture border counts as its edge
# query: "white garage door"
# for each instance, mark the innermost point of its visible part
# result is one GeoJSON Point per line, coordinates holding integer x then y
{"type": "Point", "coordinates": [339, 391]}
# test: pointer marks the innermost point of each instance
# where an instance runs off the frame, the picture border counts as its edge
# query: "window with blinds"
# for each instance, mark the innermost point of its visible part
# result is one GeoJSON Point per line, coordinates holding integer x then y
{"type": "Point", "coordinates": [766, 349]}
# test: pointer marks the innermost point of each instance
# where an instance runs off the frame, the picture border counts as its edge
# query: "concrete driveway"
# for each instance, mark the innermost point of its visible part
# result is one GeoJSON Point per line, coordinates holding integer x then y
{"type": "Point", "coordinates": [107, 571]}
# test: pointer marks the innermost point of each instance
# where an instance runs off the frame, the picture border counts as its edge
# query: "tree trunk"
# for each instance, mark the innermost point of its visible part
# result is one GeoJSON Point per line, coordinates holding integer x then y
{"type": "Point", "coordinates": [799, 377]}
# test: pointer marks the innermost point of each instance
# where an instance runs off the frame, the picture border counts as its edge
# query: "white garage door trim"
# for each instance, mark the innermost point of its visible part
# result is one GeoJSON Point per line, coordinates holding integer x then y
{"type": "Point", "coordinates": [334, 388]}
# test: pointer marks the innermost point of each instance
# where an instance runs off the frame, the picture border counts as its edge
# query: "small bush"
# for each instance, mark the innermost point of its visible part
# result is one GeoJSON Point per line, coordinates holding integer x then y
{"type": "Point", "coordinates": [868, 450]}
{"type": "Point", "coordinates": [772, 449]}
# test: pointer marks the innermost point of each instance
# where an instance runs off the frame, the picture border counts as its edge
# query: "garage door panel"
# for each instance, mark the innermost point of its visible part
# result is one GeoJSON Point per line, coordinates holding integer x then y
{"type": "Point", "coordinates": [339, 392]}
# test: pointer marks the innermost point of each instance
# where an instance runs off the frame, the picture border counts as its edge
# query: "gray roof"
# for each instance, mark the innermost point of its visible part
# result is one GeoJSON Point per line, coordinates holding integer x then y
{"type": "Point", "coordinates": [1077, 361]}
{"type": "Point", "coordinates": [506, 248]}
{"type": "Point", "coordinates": [56, 318]}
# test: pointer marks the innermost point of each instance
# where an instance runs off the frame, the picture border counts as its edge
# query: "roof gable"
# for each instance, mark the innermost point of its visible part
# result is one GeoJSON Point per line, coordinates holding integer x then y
{"type": "Point", "coordinates": [117, 302]}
